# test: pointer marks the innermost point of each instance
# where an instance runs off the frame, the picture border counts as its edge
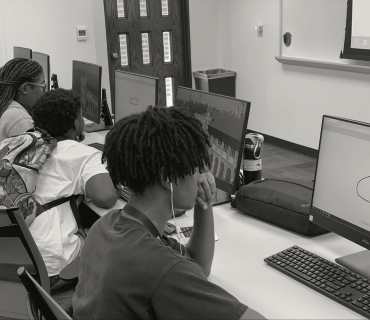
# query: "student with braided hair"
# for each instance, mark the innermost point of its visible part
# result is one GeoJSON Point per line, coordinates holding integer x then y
{"type": "Point", "coordinates": [22, 83]}
{"type": "Point", "coordinates": [128, 268]}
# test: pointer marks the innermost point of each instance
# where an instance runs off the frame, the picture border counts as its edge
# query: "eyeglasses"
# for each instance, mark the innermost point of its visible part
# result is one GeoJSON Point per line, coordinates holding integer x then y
{"type": "Point", "coordinates": [43, 85]}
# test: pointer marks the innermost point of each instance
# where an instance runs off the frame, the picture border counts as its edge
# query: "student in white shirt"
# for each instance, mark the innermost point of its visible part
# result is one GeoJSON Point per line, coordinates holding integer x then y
{"type": "Point", "coordinates": [22, 82]}
{"type": "Point", "coordinates": [71, 169]}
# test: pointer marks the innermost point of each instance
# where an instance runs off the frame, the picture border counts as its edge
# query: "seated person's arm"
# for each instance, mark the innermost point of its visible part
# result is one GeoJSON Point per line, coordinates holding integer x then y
{"type": "Point", "coordinates": [185, 293]}
{"type": "Point", "coordinates": [20, 127]}
{"type": "Point", "coordinates": [101, 191]}
{"type": "Point", "coordinates": [201, 245]}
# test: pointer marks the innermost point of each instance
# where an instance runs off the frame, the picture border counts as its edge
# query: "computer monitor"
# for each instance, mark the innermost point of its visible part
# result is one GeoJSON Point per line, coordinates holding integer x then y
{"type": "Point", "coordinates": [225, 119]}
{"type": "Point", "coordinates": [134, 93]}
{"type": "Point", "coordinates": [54, 79]}
{"type": "Point", "coordinates": [44, 60]}
{"type": "Point", "coordinates": [86, 80]}
{"type": "Point", "coordinates": [20, 52]}
{"type": "Point", "coordinates": [341, 194]}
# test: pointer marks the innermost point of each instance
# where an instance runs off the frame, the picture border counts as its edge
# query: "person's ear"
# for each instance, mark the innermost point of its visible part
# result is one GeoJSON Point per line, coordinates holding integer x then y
{"type": "Point", "coordinates": [166, 183]}
{"type": "Point", "coordinates": [76, 124]}
{"type": "Point", "coordinates": [23, 88]}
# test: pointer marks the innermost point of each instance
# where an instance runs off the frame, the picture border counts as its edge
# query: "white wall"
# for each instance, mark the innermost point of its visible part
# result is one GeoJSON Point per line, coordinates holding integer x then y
{"type": "Point", "coordinates": [287, 101]}
{"type": "Point", "coordinates": [209, 21]}
{"type": "Point", "coordinates": [49, 26]}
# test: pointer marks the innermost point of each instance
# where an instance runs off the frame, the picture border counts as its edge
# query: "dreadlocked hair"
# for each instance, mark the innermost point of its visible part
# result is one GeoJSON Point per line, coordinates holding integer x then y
{"type": "Point", "coordinates": [12, 75]}
{"type": "Point", "coordinates": [142, 147]}
{"type": "Point", "coordinates": [56, 110]}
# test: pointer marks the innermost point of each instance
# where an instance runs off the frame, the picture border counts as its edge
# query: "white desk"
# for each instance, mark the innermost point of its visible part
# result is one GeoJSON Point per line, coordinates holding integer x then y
{"type": "Point", "coordinates": [98, 136]}
{"type": "Point", "coordinates": [239, 268]}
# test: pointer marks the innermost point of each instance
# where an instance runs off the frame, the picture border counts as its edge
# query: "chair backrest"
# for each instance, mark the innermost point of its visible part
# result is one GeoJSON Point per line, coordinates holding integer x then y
{"type": "Point", "coordinates": [18, 248]}
{"type": "Point", "coordinates": [42, 300]}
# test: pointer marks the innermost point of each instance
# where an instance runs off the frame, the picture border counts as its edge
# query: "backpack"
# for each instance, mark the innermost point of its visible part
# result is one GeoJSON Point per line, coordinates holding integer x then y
{"type": "Point", "coordinates": [21, 158]}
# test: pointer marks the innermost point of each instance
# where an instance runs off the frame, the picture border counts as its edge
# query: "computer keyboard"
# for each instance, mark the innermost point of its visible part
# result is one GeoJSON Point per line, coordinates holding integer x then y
{"type": "Point", "coordinates": [350, 289]}
{"type": "Point", "coordinates": [96, 145]}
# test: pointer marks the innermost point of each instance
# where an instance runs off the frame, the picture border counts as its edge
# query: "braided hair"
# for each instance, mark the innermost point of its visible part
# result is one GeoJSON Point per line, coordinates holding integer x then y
{"type": "Point", "coordinates": [12, 75]}
{"type": "Point", "coordinates": [141, 147]}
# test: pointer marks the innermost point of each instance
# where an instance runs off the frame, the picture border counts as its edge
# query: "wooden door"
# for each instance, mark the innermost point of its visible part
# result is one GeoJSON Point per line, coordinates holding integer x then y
{"type": "Point", "coordinates": [150, 37]}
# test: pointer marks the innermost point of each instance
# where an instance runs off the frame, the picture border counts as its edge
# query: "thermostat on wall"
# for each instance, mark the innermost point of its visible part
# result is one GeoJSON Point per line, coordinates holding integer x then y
{"type": "Point", "coordinates": [81, 33]}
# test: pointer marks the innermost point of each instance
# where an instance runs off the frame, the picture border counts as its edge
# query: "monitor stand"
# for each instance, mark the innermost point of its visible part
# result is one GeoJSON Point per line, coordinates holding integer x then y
{"type": "Point", "coordinates": [358, 262]}
{"type": "Point", "coordinates": [98, 127]}
{"type": "Point", "coordinates": [222, 197]}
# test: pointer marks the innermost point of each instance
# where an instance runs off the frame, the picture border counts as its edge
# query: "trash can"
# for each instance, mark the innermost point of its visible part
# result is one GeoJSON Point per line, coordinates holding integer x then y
{"type": "Point", "coordinates": [220, 81]}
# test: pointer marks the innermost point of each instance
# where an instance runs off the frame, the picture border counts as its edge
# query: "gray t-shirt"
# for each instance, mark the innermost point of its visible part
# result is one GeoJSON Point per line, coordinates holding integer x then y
{"type": "Point", "coordinates": [14, 120]}
{"type": "Point", "coordinates": [127, 273]}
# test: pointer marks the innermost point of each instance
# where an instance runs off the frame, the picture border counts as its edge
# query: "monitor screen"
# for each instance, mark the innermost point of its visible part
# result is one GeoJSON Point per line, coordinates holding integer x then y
{"type": "Point", "coordinates": [20, 52]}
{"type": "Point", "coordinates": [341, 195]}
{"type": "Point", "coordinates": [225, 119]}
{"type": "Point", "coordinates": [134, 93]}
{"type": "Point", "coordinates": [44, 60]}
{"type": "Point", "coordinates": [86, 80]}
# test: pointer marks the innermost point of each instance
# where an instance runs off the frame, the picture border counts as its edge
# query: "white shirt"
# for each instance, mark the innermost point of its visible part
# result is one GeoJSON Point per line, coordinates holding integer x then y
{"type": "Point", "coordinates": [65, 172]}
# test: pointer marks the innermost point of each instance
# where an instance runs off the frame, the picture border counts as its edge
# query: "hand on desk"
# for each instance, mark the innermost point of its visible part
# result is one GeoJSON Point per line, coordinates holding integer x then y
{"type": "Point", "coordinates": [206, 190]}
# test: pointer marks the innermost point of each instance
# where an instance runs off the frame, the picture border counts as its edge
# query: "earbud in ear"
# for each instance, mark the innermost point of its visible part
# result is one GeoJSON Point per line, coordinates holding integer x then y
{"type": "Point", "coordinates": [171, 187]}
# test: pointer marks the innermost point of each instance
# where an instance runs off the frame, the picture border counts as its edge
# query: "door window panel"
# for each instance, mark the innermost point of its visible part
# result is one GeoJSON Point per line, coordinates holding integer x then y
{"type": "Point", "coordinates": [146, 48]}
{"type": "Point", "coordinates": [143, 8]}
{"type": "Point", "coordinates": [123, 45]}
{"type": "Point", "coordinates": [121, 12]}
{"type": "Point", "coordinates": [165, 8]}
{"type": "Point", "coordinates": [167, 46]}
{"type": "Point", "coordinates": [169, 91]}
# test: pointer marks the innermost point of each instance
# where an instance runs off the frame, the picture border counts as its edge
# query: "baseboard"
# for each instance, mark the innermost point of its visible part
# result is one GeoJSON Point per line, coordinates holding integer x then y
{"type": "Point", "coordinates": [313, 153]}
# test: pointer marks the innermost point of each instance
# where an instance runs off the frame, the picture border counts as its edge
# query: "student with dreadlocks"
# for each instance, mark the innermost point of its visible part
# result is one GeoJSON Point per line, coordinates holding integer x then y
{"type": "Point", "coordinates": [22, 82]}
{"type": "Point", "coordinates": [128, 268]}
{"type": "Point", "coordinates": [71, 169]}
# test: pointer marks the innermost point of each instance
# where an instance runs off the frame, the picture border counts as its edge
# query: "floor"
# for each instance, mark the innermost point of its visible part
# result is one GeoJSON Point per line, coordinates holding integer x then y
{"type": "Point", "coordinates": [282, 163]}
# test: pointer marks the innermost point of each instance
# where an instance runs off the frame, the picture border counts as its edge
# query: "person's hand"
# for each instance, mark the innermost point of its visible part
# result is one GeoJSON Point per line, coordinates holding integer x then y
{"type": "Point", "coordinates": [81, 137]}
{"type": "Point", "coordinates": [206, 190]}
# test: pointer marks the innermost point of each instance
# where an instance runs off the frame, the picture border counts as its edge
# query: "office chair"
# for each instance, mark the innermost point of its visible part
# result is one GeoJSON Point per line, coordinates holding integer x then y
{"type": "Point", "coordinates": [18, 248]}
{"type": "Point", "coordinates": [40, 300]}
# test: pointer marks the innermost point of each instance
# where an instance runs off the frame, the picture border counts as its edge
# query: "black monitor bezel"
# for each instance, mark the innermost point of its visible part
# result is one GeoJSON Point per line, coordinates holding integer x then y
{"type": "Point", "coordinates": [23, 49]}
{"type": "Point", "coordinates": [47, 72]}
{"type": "Point", "coordinates": [106, 114]}
{"type": "Point", "coordinates": [99, 68]}
{"type": "Point", "coordinates": [144, 76]}
{"type": "Point", "coordinates": [242, 137]}
{"type": "Point", "coordinates": [348, 52]}
{"type": "Point", "coordinates": [339, 226]}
